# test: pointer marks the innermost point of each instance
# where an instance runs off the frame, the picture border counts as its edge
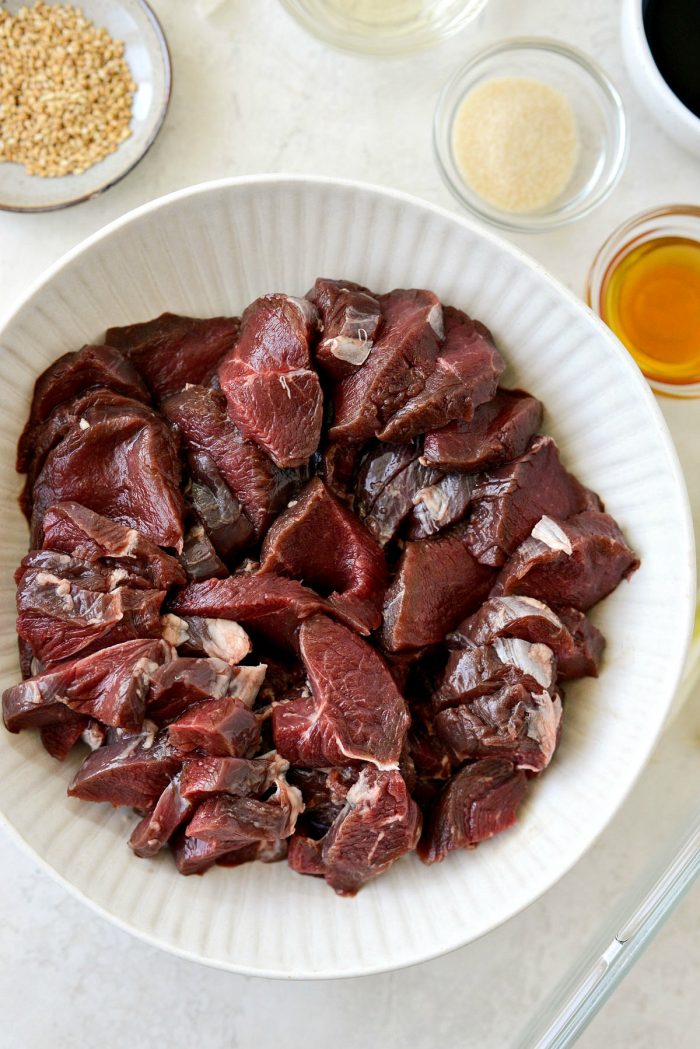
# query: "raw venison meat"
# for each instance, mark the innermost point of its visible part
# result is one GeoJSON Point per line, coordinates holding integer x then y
{"type": "Point", "coordinates": [582, 656]}
{"type": "Point", "coordinates": [220, 727]}
{"type": "Point", "coordinates": [126, 468]}
{"type": "Point", "coordinates": [60, 737]}
{"type": "Point", "coordinates": [480, 801]}
{"type": "Point", "coordinates": [273, 394]}
{"type": "Point", "coordinates": [500, 431]}
{"type": "Point", "coordinates": [513, 723]}
{"type": "Point", "coordinates": [437, 583]}
{"type": "Point", "coordinates": [74, 529]}
{"type": "Point", "coordinates": [97, 406]}
{"type": "Point", "coordinates": [388, 482]}
{"type": "Point", "coordinates": [266, 605]}
{"type": "Point", "coordinates": [60, 619]}
{"type": "Point", "coordinates": [262, 489]}
{"type": "Point", "coordinates": [320, 541]}
{"type": "Point", "coordinates": [199, 558]}
{"type": "Point", "coordinates": [241, 777]}
{"type": "Point", "coordinates": [440, 504]}
{"type": "Point", "coordinates": [220, 638]}
{"type": "Point", "coordinates": [109, 685]}
{"type": "Point", "coordinates": [430, 756]}
{"type": "Point", "coordinates": [397, 368]}
{"type": "Point", "coordinates": [466, 374]}
{"type": "Point", "coordinates": [40, 563]}
{"type": "Point", "coordinates": [474, 670]}
{"type": "Point", "coordinates": [576, 562]}
{"type": "Point", "coordinates": [355, 712]}
{"type": "Point", "coordinates": [153, 831]}
{"type": "Point", "coordinates": [350, 316]}
{"type": "Point", "coordinates": [71, 376]}
{"type": "Point", "coordinates": [133, 771]}
{"type": "Point", "coordinates": [576, 643]}
{"type": "Point", "coordinates": [336, 465]}
{"type": "Point", "coordinates": [171, 351]}
{"type": "Point", "coordinates": [241, 820]}
{"type": "Point", "coordinates": [378, 823]}
{"type": "Point", "coordinates": [177, 685]}
{"type": "Point", "coordinates": [324, 792]}
{"type": "Point", "coordinates": [508, 502]}
{"type": "Point", "coordinates": [219, 512]}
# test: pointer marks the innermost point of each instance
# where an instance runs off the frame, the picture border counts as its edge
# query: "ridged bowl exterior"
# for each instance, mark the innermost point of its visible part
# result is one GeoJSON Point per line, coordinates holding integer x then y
{"type": "Point", "coordinates": [210, 250]}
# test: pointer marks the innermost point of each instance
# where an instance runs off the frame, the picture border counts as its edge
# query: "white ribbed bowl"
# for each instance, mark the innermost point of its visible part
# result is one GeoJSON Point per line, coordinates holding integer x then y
{"type": "Point", "coordinates": [210, 250]}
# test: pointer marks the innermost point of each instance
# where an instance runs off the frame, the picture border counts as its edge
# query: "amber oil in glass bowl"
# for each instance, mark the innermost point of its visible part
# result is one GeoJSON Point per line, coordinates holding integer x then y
{"type": "Point", "coordinates": [645, 285]}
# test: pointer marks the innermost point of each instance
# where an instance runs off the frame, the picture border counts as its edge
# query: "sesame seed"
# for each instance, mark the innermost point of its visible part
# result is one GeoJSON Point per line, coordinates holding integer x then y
{"type": "Point", "coordinates": [66, 90]}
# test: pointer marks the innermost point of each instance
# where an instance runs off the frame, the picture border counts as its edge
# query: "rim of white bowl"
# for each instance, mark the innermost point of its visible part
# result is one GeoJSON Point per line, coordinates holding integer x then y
{"type": "Point", "coordinates": [634, 375]}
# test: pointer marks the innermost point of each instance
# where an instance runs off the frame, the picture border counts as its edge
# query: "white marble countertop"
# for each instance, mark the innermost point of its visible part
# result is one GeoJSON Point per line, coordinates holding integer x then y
{"type": "Point", "coordinates": [253, 93]}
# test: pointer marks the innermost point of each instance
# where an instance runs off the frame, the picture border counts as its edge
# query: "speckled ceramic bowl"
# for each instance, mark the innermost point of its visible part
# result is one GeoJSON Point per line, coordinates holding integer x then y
{"type": "Point", "coordinates": [210, 250]}
{"type": "Point", "coordinates": [146, 52]}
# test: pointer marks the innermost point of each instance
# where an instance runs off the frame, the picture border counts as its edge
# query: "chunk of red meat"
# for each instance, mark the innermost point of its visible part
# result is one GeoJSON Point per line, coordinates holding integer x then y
{"type": "Point", "coordinates": [273, 394]}
{"type": "Point", "coordinates": [218, 510]}
{"type": "Point", "coordinates": [76, 530]}
{"type": "Point", "coordinates": [261, 487]}
{"type": "Point", "coordinates": [355, 713]}
{"type": "Point", "coordinates": [109, 685]}
{"type": "Point", "coordinates": [126, 468]}
{"type": "Point", "coordinates": [439, 504]}
{"type": "Point", "coordinates": [103, 579]}
{"type": "Point", "coordinates": [351, 568]}
{"type": "Point", "coordinates": [229, 819]}
{"type": "Point", "coordinates": [96, 406]}
{"type": "Point", "coordinates": [337, 465]}
{"type": "Point", "coordinates": [350, 316]}
{"type": "Point", "coordinates": [437, 582]}
{"type": "Point", "coordinates": [389, 481]}
{"type": "Point", "coordinates": [378, 823]}
{"type": "Point", "coordinates": [507, 502]}
{"type": "Point", "coordinates": [199, 558]}
{"type": "Point", "coordinates": [70, 376]}
{"type": "Point", "coordinates": [177, 685]}
{"type": "Point", "coordinates": [480, 801]}
{"type": "Point", "coordinates": [581, 657]}
{"type": "Point", "coordinates": [324, 792]}
{"type": "Point", "coordinates": [500, 431]}
{"type": "Point", "coordinates": [133, 771]}
{"type": "Point", "coordinates": [60, 737]}
{"type": "Point", "coordinates": [61, 619]}
{"type": "Point", "coordinates": [397, 368]}
{"type": "Point", "coordinates": [223, 727]}
{"type": "Point", "coordinates": [466, 374]}
{"type": "Point", "coordinates": [267, 605]}
{"type": "Point", "coordinates": [241, 777]}
{"type": "Point", "coordinates": [576, 562]}
{"type": "Point", "coordinates": [476, 670]}
{"type": "Point", "coordinates": [220, 638]}
{"type": "Point", "coordinates": [512, 722]}
{"type": "Point", "coordinates": [194, 856]}
{"type": "Point", "coordinates": [431, 758]}
{"type": "Point", "coordinates": [171, 351]}
{"type": "Point", "coordinates": [171, 810]}
{"type": "Point", "coordinates": [576, 643]}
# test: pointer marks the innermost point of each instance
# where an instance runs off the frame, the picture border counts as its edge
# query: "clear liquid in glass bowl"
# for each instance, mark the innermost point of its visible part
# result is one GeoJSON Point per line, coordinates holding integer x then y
{"type": "Point", "coordinates": [383, 27]}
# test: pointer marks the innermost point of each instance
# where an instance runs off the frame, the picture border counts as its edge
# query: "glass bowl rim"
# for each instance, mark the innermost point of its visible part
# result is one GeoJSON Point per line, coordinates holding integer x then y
{"type": "Point", "coordinates": [543, 221]}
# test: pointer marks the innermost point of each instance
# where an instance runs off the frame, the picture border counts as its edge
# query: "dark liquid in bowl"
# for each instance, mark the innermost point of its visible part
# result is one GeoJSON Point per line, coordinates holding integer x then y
{"type": "Point", "coordinates": [672, 28]}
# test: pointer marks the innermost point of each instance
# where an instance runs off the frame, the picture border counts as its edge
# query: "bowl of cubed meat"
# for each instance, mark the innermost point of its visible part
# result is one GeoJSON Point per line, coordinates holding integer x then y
{"type": "Point", "coordinates": [347, 576]}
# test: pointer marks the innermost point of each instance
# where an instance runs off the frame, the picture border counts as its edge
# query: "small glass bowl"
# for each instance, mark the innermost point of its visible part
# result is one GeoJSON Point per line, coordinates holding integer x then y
{"type": "Point", "coordinates": [378, 27]}
{"type": "Point", "coordinates": [674, 220]}
{"type": "Point", "coordinates": [600, 121]}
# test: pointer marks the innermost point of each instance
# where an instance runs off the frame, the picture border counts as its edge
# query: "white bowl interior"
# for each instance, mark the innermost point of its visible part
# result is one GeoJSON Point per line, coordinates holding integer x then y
{"type": "Point", "coordinates": [211, 250]}
{"type": "Point", "coordinates": [133, 22]}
